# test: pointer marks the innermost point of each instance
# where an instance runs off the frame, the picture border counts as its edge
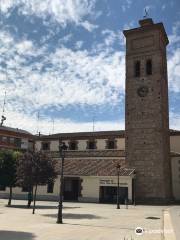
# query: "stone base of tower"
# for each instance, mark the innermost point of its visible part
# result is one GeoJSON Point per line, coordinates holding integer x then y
{"type": "Point", "coordinates": [152, 191]}
{"type": "Point", "coordinates": [154, 201]}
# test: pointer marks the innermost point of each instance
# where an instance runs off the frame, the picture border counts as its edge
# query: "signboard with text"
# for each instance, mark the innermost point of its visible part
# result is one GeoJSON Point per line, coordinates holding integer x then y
{"type": "Point", "coordinates": [111, 182]}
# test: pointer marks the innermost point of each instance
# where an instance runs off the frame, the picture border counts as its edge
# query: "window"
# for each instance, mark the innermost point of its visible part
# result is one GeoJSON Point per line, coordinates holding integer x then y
{"type": "Point", "coordinates": [110, 144]}
{"type": "Point", "coordinates": [2, 188]}
{"type": "Point", "coordinates": [25, 189]}
{"type": "Point", "coordinates": [137, 66]}
{"type": "Point", "coordinates": [149, 67]}
{"type": "Point", "coordinates": [91, 145]}
{"type": "Point", "coordinates": [4, 139]}
{"type": "Point", "coordinates": [50, 187]}
{"type": "Point", "coordinates": [45, 146]}
{"type": "Point", "coordinates": [17, 142]}
{"type": "Point", "coordinates": [73, 145]}
{"type": "Point", "coordinates": [11, 140]}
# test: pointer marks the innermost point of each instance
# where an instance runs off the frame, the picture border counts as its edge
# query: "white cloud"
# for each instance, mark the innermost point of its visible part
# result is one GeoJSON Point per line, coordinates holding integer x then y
{"type": "Point", "coordinates": [129, 25]}
{"type": "Point", "coordinates": [6, 5]}
{"type": "Point", "coordinates": [175, 36]}
{"type": "Point", "coordinates": [88, 26]}
{"type": "Point", "coordinates": [174, 58]}
{"type": "Point", "coordinates": [45, 125]}
{"type": "Point", "coordinates": [79, 44]}
{"type": "Point", "coordinates": [163, 7]}
{"type": "Point", "coordinates": [174, 120]}
{"type": "Point", "coordinates": [174, 71]}
{"type": "Point", "coordinates": [60, 11]}
{"type": "Point", "coordinates": [112, 37]}
{"type": "Point", "coordinates": [24, 47]}
{"type": "Point", "coordinates": [61, 78]}
{"type": "Point", "coordinates": [126, 4]}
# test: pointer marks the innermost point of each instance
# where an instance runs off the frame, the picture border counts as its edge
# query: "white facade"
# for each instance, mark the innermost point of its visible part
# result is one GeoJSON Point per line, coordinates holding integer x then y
{"type": "Point", "coordinates": [91, 184]}
{"type": "Point", "coordinates": [90, 188]}
{"type": "Point", "coordinates": [82, 144]}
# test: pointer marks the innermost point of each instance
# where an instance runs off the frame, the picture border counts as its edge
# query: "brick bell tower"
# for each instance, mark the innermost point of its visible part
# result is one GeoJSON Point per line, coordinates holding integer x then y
{"type": "Point", "coordinates": [146, 111]}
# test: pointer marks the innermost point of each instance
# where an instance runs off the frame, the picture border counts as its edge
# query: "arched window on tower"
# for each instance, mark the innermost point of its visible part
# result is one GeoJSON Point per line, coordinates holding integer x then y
{"type": "Point", "coordinates": [137, 67]}
{"type": "Point", "coordinates": [149, 67]}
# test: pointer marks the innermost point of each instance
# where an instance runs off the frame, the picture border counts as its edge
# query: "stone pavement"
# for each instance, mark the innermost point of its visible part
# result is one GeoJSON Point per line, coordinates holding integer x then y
{"type": "Point", "coordinates": [175, 218]}
{"type": "Point", "coordinates": [168, 233]}
{"type": "Point", "coordinates": [82, 221]}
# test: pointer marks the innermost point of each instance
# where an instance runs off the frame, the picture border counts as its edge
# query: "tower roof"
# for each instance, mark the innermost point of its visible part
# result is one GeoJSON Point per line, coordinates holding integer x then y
{"type": "Point", "coordinates": [146, 25]}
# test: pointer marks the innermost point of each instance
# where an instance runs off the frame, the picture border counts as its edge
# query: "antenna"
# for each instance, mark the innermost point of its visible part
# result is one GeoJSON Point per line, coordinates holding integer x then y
{"type": "Point", "coordinates": [4, 103]}
{"type": "Point", "coordinates": [52, 125]}
{"type": "Point", "coordinates": [38, 116]}
{"type": "Point", "coordinates": [93, 122]}
{"type": "Point", "coordinates": [145, 13]}
{"type": "Point", "coordinates": [3, 118]}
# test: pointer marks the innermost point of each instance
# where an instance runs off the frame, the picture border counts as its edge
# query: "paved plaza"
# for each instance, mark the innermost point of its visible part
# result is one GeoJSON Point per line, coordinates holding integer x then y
{"type": "Point", "coordinates": [83, 221]}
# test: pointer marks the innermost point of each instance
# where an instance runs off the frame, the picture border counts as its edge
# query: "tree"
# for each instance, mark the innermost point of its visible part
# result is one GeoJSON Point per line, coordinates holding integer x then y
{"type": "Point", "coordinates": [25, 173]}
{"type": "Point", "coordinates": [36, 168]}
{"type": "Point", "coordinates": [8, 170]}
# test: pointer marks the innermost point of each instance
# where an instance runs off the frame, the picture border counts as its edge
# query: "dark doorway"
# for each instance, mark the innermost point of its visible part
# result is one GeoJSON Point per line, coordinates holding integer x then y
{"type": "Point", "coordinates": [71, 189]}
{"type": "Point", "coordinates": [108, 194]}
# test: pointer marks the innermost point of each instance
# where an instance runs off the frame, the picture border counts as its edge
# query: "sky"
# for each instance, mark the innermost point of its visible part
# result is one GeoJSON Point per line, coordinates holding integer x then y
{"type": "Point", "coordinates": [62, 62]}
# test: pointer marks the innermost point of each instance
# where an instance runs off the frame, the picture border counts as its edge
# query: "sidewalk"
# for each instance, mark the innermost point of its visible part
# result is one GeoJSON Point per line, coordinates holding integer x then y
{"type": "Point", "coordinates": [168, 230]}
{"type": "Point", "coordinates": [82, 221]}
{"type": "Point", "coordinates": [175, 219]}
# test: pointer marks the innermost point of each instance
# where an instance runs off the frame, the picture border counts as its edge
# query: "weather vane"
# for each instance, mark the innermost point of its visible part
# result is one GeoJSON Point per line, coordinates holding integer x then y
{"type": "Point", "coordinates": [145, 13]}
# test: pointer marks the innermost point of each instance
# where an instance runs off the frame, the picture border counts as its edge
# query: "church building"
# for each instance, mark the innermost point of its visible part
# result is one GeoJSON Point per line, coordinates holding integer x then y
{"type": "Point", "coordinates": [146, 156]}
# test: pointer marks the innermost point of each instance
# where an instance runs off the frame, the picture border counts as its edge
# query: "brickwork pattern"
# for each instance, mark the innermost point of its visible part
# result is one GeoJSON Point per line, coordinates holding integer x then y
{"type": "Point", "coordinates": [147, 120]}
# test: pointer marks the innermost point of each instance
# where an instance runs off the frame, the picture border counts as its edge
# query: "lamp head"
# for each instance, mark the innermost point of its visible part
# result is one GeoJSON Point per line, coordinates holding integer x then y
{"type": "Point", "coordinates": [63, 146]}
{"type": "Point", "coordinates": [118, 166]}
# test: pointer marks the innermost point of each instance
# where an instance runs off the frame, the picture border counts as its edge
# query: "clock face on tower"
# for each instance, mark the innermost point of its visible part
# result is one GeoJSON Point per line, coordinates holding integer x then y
{"type": "Point", "coordinates": [142, 91]}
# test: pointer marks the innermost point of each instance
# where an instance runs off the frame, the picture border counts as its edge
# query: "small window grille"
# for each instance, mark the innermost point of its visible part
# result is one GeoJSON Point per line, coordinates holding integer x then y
{"type": "Point", "coordinates": [149, 67]}
{"type": "Point", "coordinates": [45, 146]}
{"type": "Point", "coordinates": [137, 69]}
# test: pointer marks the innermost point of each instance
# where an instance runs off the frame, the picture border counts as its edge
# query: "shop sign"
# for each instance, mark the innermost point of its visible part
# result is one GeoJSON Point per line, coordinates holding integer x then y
{"type": "Point", "coordinates": [111, 182]}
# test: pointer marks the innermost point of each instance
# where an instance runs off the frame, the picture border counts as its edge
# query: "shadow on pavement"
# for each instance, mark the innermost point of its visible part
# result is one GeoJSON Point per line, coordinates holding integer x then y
{"type": "Point", "coordinates": [74, 216]}
{"type": "Point", "coordinates": [39, 207]}
{"type": "Point", "coordinates": [12, 235]}
{"type": "Point", "coordinates": [153, 218]}
{"type": "Point", "coordinates": [101, 226]}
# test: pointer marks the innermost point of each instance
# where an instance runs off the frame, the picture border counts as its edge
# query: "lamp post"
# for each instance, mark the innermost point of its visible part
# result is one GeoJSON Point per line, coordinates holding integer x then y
{"type": "Point", "coordinates": [118, 170]}
{"type": "Point", "coordinates": [134, 188]}
{"type": "Point", "coordinates": [62, 149]}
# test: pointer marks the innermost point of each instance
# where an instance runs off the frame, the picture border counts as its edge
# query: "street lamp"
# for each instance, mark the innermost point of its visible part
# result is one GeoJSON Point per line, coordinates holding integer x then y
{"type": "Point", "coordinates": [62, 149]}
{"type": "Point", "coordinates": [118, 171]}
{"type": "Point", "coordinates": [134, 188]}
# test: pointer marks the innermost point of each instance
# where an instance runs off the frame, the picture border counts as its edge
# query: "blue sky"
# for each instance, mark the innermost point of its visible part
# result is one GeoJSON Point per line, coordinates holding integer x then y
{"type": "Point", "coordinates": [64, 61]}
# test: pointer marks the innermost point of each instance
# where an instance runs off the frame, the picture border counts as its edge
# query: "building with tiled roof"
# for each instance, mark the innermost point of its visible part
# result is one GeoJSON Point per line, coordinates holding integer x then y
{"type": "Point", "coordinates": [15, 138]}
{"type": "Point", "coordinates": [90, 166]}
